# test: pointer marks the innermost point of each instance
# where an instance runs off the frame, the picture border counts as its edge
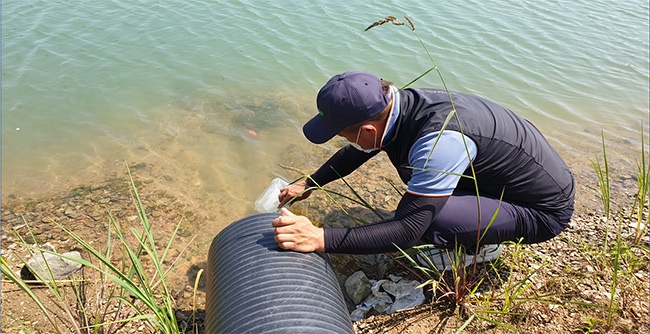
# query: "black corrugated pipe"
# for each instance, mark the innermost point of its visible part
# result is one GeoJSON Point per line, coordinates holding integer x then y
{"type": "Point", "coordinates": [255, 287]}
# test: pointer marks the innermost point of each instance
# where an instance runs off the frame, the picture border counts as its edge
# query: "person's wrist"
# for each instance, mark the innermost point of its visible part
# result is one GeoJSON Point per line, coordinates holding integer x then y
{"type": "Point", "coordinates": [309, 183]}
{"type": "Point", "coordinates": [320, 240]}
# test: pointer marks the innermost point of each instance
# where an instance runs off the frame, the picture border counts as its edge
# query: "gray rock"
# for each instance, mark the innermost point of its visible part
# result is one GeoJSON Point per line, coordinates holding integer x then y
{"type": "Point", "coordinates": [42, 264]}
{"type": "Point", "coordinates": [357, 287]}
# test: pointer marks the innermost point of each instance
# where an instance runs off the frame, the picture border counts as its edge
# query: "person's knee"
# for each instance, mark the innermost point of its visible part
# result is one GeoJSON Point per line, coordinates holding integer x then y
{"type": "Point", "coordinates": [550, 227]}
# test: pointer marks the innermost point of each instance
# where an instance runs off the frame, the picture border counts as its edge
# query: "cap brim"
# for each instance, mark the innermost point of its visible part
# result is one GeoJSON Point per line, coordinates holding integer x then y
{"type": "Point", "coordinates": [318, 131]}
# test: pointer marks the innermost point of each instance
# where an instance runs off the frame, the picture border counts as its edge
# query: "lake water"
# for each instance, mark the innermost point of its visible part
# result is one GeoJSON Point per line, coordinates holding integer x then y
{"type": "Point", "coordinates": [211, 95]}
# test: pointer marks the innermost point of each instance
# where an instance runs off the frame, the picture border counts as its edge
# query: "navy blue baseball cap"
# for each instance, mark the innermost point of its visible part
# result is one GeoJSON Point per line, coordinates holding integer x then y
{"type": "Point", "coordinates": [346, 99]}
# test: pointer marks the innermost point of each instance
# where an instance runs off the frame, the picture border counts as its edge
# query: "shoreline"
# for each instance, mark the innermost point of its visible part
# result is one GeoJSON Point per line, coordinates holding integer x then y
{"type": "Point", "coordinates": [84, 209]}
{"type": "Point", "coordinates": [169, 154]}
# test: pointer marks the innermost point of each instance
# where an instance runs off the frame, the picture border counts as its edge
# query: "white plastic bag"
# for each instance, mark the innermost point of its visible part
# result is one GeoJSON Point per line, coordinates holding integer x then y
{"type": "Point", "coordinates": [398, 294]}
{"type": "Point", "coordinates": [268, 201]}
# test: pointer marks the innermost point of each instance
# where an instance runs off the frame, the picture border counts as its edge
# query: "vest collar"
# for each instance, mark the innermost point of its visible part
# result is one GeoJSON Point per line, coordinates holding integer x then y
{"type": "Point", "coordinates": [391, 126]}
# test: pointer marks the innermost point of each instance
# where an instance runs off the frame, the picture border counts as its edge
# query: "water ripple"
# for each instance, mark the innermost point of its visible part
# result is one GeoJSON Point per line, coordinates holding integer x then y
{"type": "Point", "coordinates": [96, 73]}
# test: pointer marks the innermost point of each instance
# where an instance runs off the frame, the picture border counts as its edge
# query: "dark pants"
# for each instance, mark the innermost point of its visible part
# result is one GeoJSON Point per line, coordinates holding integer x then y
{"type": "Point", "coordinates": [459, 223]}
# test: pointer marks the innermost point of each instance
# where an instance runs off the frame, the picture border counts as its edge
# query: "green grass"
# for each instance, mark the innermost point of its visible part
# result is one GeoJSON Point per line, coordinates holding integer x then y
{"type": "Point", "coordinates": [641, 198]}
{"type": "Point", "coordinates": [126, 290]}
{"type": "Point", "coordinates": [619, 256]}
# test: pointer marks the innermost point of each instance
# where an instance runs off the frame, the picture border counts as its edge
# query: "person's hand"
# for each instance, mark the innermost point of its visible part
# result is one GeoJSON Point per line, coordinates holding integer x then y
{"type": "Point", "coordinates": [296, 190]}
{"type": "Point", "coordinates": [297, 233]}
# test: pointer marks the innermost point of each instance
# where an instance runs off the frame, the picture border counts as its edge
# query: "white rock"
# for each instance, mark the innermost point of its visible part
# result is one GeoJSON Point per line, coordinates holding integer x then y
{"type": "Point", "coordinates": [41, 265]}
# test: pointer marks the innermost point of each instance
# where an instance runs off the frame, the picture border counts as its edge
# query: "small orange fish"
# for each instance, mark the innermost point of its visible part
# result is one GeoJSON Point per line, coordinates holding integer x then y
{"type": "Point", "coordinates": [252, 133]}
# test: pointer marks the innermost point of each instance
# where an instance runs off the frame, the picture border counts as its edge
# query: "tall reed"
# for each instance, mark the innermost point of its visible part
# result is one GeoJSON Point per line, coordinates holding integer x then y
{"type": "Point", "coordinates": [641, 198]}
{"type": "Point", "coordinates": [462, 281]}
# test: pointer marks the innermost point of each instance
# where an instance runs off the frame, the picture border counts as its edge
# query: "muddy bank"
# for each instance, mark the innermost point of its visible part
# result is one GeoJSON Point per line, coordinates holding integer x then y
{"type": "Point", "coordinates": [87, 209]}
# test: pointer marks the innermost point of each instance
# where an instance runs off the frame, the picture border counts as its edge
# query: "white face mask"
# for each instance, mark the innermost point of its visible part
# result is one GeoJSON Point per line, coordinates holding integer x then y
{"type": "Point", "coordinates": [365, 150]}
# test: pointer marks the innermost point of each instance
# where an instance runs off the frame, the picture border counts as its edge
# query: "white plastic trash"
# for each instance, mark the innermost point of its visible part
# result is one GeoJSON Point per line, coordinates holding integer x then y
{"type": "Point", "coordinates": [268, 201]}
{"type": "Point", "coordinates": [389, 296]}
